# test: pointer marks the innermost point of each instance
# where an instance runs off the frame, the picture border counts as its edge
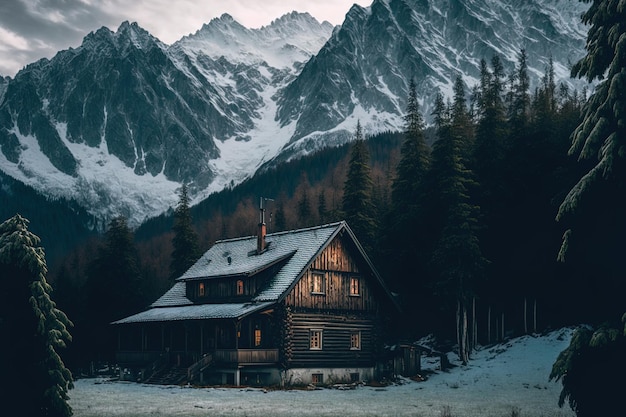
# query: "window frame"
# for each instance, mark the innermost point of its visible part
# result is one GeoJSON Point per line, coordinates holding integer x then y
{"type": "Point", "coordinates": [355, 336]}
{"type": "Point", "coordinates": [201, 289]}
{"type": "Point", "coordinates": [240, 289]}
{"type": "Point", "coordinates": [317, 378]}
{"type": "Point", "coordinates": [318, 283]}
{"type": "Point", "coordinates": [316, 339]}
{"type": "Point", "coordinates": [258, 337]}
{"type": "Point", "coordinates": [357, 287]}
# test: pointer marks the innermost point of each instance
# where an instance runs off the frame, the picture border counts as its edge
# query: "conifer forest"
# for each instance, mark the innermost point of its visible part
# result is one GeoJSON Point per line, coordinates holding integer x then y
{"type": "Point", "coordinates": [459, 217]}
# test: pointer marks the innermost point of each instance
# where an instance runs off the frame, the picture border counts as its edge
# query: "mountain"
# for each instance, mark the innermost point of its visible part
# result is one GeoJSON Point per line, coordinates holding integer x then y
{"type": "Point", "coordinates": [120, 122]}
{"type": "Point", "coordinates": [363, 71]}
{"type": "Point", "coordinates": [117, 124]}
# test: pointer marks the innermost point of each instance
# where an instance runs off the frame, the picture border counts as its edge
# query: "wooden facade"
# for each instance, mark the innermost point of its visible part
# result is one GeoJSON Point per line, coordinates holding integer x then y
{"type": "Point", "coordinates": [273, 316]}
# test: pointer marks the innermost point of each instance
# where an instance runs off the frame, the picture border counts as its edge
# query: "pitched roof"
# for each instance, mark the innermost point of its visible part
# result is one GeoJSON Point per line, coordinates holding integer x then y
{"type": "Point", "coordinates": [239, 257]}
{"type": "Point", "coordinates": [296, 249]}
{"type": "Point", "coordinates": [195, 312]}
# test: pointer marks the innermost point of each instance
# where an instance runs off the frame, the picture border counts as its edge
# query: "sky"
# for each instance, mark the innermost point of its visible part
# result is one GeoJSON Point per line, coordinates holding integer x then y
{"type": "Point", "coordinates": [35, 29]}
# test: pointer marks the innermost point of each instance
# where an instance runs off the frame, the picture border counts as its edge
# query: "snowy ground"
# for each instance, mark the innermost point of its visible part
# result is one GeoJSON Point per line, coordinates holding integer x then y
{"type": "Point", "coordinates": [507, 380]}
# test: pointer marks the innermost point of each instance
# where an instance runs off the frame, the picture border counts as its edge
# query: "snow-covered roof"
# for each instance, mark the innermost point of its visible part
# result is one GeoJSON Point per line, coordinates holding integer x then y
{"type": "Point", "coordinates": [176, 296]}
{"type": "Point", "coordinates": [295, 250]}
{"type": "Point", "coordinates": [195, 312]}
{"type": "Point", "coordinates": [298, 248]}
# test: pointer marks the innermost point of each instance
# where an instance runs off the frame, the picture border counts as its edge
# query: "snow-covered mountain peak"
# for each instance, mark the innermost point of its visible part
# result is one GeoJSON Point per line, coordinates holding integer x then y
{"type": "Point", "coordinates": [293, 38]}
{"type": "Point", "coordinates": [120, 122]}
{"type": "Point", "coordinates": [139, 37]}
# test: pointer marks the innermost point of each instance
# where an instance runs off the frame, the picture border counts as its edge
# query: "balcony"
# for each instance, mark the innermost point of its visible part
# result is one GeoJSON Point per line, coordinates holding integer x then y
{"type": "Point", "coordinates": [246, 356]}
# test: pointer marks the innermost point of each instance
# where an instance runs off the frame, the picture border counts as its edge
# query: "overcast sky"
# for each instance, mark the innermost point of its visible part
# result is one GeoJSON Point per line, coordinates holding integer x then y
{"type": "Point", "coordinates": [34, 29]}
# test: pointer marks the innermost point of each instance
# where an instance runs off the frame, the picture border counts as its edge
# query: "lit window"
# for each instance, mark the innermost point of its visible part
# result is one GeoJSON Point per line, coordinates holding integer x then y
{"type": "Point", "coordinates": [355, 286]}
{"type": "Point", "coordinates": [317, 378]}
{"type": "Point", "coordinates": [201, 289]}
{"type": "Point", "coordinates": [317, 283]}
{"type": "Point", "coordinates": [355, 341]}
{"type": "Point", "coordinates": [257, 337]}
{"type": "Point", "coordinates": [315, 337]}
{"type": "Point", "coordinates": [239, 287]}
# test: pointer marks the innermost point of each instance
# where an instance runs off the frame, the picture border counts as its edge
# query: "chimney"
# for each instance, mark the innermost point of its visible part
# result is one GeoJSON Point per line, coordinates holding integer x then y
{"type": "Point", "coordinates": [260, 238]}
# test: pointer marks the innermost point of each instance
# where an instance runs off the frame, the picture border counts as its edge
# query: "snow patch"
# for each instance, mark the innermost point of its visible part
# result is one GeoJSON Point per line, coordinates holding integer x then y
{"type": "Point", "coordinates": [499, 380]}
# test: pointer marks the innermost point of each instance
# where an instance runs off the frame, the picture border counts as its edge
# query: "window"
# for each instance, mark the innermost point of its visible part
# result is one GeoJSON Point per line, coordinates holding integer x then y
{"type": "Point", "coordinates": [317, 378]}
{"type": "Point", "coordinates": [315, 338]}
{"type": "Point", "coordinates": [239, 287]}
{"type": "Point", "coordinates": [257, 337]}
{"type": "Point", "coordinates": [355, 286]}
{"type": "Point", "coordinates": [355, 340]}
{"type": "Point", "coordinates": [318, 286]}
{"type": "Point", "coordinates": [201, 289]}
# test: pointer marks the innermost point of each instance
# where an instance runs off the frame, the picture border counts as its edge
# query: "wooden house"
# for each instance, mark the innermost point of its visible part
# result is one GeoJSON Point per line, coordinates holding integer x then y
{"type": "Point", "coordinates": [290, 308]}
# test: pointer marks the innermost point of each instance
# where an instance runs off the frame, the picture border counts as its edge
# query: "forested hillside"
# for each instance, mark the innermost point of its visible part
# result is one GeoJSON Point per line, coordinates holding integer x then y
{"type": "Point", "coordinates": [460, 218]}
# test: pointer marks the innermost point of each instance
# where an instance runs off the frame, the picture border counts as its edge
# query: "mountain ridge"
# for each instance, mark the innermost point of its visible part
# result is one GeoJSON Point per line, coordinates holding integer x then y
{"type": "Point", "coordinates": [120, 122]}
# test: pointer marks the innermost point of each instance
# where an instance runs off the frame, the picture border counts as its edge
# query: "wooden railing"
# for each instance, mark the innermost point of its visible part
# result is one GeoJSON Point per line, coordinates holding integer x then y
{"type": "Point", "coordinates": [194, 370]}
{"type": "Point", "coordinates": [246, 356]}
{"type": "Point", "coordinates": [239, 356]}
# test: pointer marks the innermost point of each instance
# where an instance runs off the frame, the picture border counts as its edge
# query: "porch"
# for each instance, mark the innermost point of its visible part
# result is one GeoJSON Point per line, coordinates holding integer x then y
{"type": "Point", "coordinates": [222, 357]}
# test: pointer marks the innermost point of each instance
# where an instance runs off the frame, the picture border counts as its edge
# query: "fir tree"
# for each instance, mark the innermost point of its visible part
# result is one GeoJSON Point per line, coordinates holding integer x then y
{"type": "Point", "coordinates": [33, 329]}
{"type": "Point", "coordinates": [185, 241]}
{"type": "Point", "coordinates": [597, 215]}
{"type": "Point", "coordinates": [600, 135]}
{"type": "Point", "coordinates": [115, 285]}
{"type": "Point", "coordinates": [357, 192]}
{"type": "Point", "coordinates": [304, 208]}
{"type": "Point", "coordinates": [414, 162]}
{"type": "Point", "coordinates": [409, 219]}
{"type": "Point", "coordinates": [280, 220]}
{"type": "Point", "coordinates": [322, 207]}
{"type": "Point", "coordinates": [457, 258]}
{"type": "Point", "coordinates": [520, 97]}
{"type": "Point", "coordinates": [590, 368]}
{"type": "Point", "coordinates": [491, 133]}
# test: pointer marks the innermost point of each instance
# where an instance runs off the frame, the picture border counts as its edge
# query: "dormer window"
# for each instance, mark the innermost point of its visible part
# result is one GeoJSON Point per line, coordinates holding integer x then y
{"type": "Point", "coordinates": [201, 289]}
{"type": "Point", "coordinates": [239, 287]}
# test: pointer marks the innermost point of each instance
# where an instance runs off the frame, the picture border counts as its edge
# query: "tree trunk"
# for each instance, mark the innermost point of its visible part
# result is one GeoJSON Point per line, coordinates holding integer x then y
{"type": "Point", "coordinates": [458, 328]}
{"type": "Point", "coordinates": [474, 325]}
{"type": "Point", "coordinates": [465, 337]}
{"type": "Point", "coordinates": [535, 316]}
{"type": "Point", "coordinates": [489, 325]}
{"type": "Point", "coordinates": [525, 316]}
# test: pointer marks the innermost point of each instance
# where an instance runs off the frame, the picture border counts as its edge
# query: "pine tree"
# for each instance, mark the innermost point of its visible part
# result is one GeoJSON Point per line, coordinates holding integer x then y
{"type": "Point", "coordinates": [407, 187]}
{"type": "Point", "coordinates": [322, 207]}
{"type": "Point", "coordinates": [457, 258]}
{"type": "Point", "coordinates": [33, 329]}
{"type": "Point", "coordinates": [115, 285]}
{"type": "Point", "coordinates": [491, 133]}
{"type": "Point", "coordinates": [590, 368]}
{"type": "Point", "coordinates": [593, 363]}
{"type": "Point", "coordinates": [357, 192]}
{"type": "Point", "coordinates": [185, 241]}
{"type": "Point", "coordinates": [280, 220]}
{"type": "Point", "coordinates": [601, 133]}
{"type": "Point", "coordinates": [407, 231]}
{"type": "Point", "coordinates": [520, 97]}
{"type": "Point", "coordinates": [304, 208]}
